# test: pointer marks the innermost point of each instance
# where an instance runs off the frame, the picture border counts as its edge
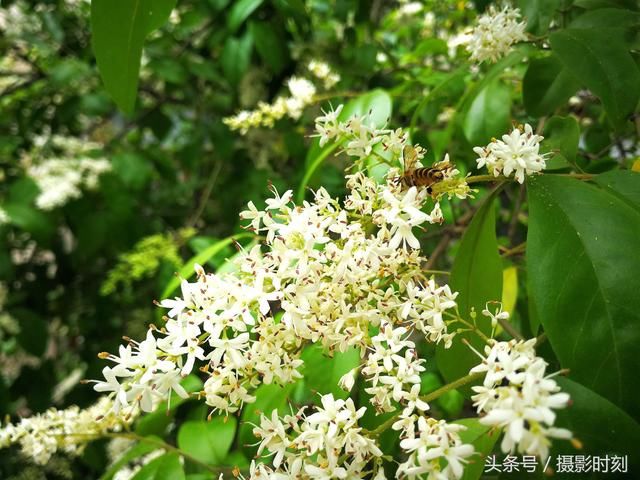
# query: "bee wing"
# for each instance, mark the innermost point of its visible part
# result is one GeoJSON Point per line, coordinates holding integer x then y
{"type": "Point", "coordinates": [409, 158]}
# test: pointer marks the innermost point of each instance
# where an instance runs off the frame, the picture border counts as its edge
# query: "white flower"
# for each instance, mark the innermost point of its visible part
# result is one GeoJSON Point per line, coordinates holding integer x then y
{"type": "Point", "coordinates": [433, 442]}
{"type": "Point", "coordinates": [495, 32]}
{"type": "Point", "coordinates": [517, 396]}
{"type": "Point", "coordinates": [325, 444]}
{"type": "Point", "coordinates": [517, 152]}
{"type": "Point", "coordinates": [323, 72]}
{"type": "Point", "coordinates": [495, 316]}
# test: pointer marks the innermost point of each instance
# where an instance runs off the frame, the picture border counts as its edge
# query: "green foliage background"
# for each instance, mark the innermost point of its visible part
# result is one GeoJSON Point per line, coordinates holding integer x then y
{"type": "Point", "coordinates": [179, 177]}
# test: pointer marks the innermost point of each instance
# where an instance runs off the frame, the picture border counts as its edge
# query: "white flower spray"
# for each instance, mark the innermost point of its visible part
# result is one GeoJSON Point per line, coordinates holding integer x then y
{"type": "Point", "coordinates": [494, 33]}
{"type": "Point", "coordinates": [518, 396]}
{"type": "Point", "coordinates": [517, 154]}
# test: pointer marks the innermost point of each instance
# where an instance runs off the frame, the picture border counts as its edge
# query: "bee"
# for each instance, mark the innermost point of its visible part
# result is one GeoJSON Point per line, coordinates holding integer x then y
{"type": "Point", "coordinates": [423, 176]}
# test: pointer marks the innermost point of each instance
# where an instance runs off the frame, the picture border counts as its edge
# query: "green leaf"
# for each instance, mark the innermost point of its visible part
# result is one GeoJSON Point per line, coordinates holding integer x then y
{"type": "Point", "coordinates": [119, 28]}
{"type": "Point", "coordinates": [489, 114]}
{"type": "Point", "coordinates": [583, 273]}
{"type": "Point", "coordinates": [482, 440]}
{"type": "Point", "coordinates": [562, 135]}
{"type": "Point", "coordinates": [166, 467]}
{"type": "Point", "coordinates": [477, 277]}
{"type": "Point", "coordinates": [547, 85]}
{"type": "Point", "coordinates": [30, 220]}
{"type": "Point", "coordinates": [236, 56]}
{"type": "Point", "coordinates": [270, 45]}
{"type": "Point", "coordinates": [322, 373]}
{"type": "Point", "coordinates": [538, 14]}
{"type": "Point", "coordinates": [139, 449]}
{"type": "Point", "coordinates": [600, 59]}
{"type": "Point", "coordinates": [268, 398]}
{"type": "Point", "coordinates": [240, 11]}
{"type": "Point", "coordinates": [623, 183]}
{"type": "Point", "coordinates": [515, 57]}
{"type": "Point", "coordinates": [608, 431]}
{"type": "Point", "coordinates": [376, 102]}
{"type": "Point", "coordinates": [203, 257]}
{"type": "Point", "coordinates": [34, 334]}
{"type": "Point", "coordinates": [208, 441]}
{"type": "Point", "coordinates": [607, 18]}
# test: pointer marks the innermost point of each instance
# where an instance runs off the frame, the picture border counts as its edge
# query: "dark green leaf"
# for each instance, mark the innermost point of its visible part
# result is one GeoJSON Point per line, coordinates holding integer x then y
{"type": "Point", "coordinates": [208, 441]}
{"type": "Point", "coordinates": [623, 183]}
{"type": "Point", "coordinates": [477, 277]}
{"type": "Point", "coordinates": [583, 273]}
{"type": "Point", "coordinates": [600, 59]}
{"type": "Point", "coordinates": [270, 45]}
{"type": "Point", "coordinates": [489, 114]}
{"type": "Point", "coordinates": [240, 11]}
{"type": "Point", "coordinates": [119, 28]}
{"type": "Point", "coordinates": [547, 85]}
{"type": "Point", "coordinates": [608, 430]}
{"type": "Point", "coordinates": [561, 140]}
{"type": "Point", "coordinates": [236, 56]}
{"type": "Point", "coordinates": [607, 18]}
{"type": "Point", "coordinates": [538, 14]}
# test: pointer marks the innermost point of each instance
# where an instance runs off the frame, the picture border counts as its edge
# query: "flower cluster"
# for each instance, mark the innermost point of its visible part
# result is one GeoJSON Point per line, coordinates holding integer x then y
{"type": "Point", "coordinates": [495, 32]}
{"type": "Point", "coordinates": [66, 430]}
{"type": "Point", "coordinates": [342, 275]}
{"type": "Point", "coordinates": [362, 139]}
{"type": "Point", "coordinates": [328, 443]}
{"type": "Point", "coordinates": [519, 397]}
{"type": "Point", "coordinates": [322, 71]}
{"type": "Point", "coordinates": [429, 441]}
{"type": "Point", "coordinates": [266, 115]}
{"type": "Point", "coordinates": [62, 177]}
{"type": "Point", "coordinates": [518, 153]}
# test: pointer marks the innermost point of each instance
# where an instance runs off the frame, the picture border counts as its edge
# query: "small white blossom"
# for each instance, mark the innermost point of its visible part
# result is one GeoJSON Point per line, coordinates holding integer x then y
{"type": "Point", "coordinates": [495, 32]}
{"type": "Point", "coordinates": [518, 153]}
{"type": "Point", "coordinates": [518, 397]}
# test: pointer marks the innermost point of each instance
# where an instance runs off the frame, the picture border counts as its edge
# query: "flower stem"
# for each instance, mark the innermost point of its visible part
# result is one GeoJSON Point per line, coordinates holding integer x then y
{"type": "Point", "coordinates": [472, 377]}
{"type": "Point", "coordinates": [500, 178]}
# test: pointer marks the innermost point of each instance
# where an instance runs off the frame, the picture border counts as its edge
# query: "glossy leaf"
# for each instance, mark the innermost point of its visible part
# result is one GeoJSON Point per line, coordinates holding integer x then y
{"type": "Point", "coordinates": [562, 135]}
{"type": "Point", "coordinates": [208, 440]}
{"type": "Point", "coordinates": [322, 373]}
{"type": "Point", "coordinates": [240, 11]}
{"type": "Point", "coordinates": [270, 45]}
{"type": "Point", "coordinates": [609, 430]}
{"type": "Point", "coordinates": [538, 13]}
{"type": "Point", "coordinates": [600, 59]}
{"type": "Point", "coordinates": [119, 28]}
{"type": "Point", "coordinates": [547, 85]}
{"type": "Point", "coordinates": [582, 243]}
{"type": "Point", "coordinates": [477, 277]}
{"type": "Point", "coordinates": [236, 56]}
{"type": "Point", "coordinates": [489, 114]}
